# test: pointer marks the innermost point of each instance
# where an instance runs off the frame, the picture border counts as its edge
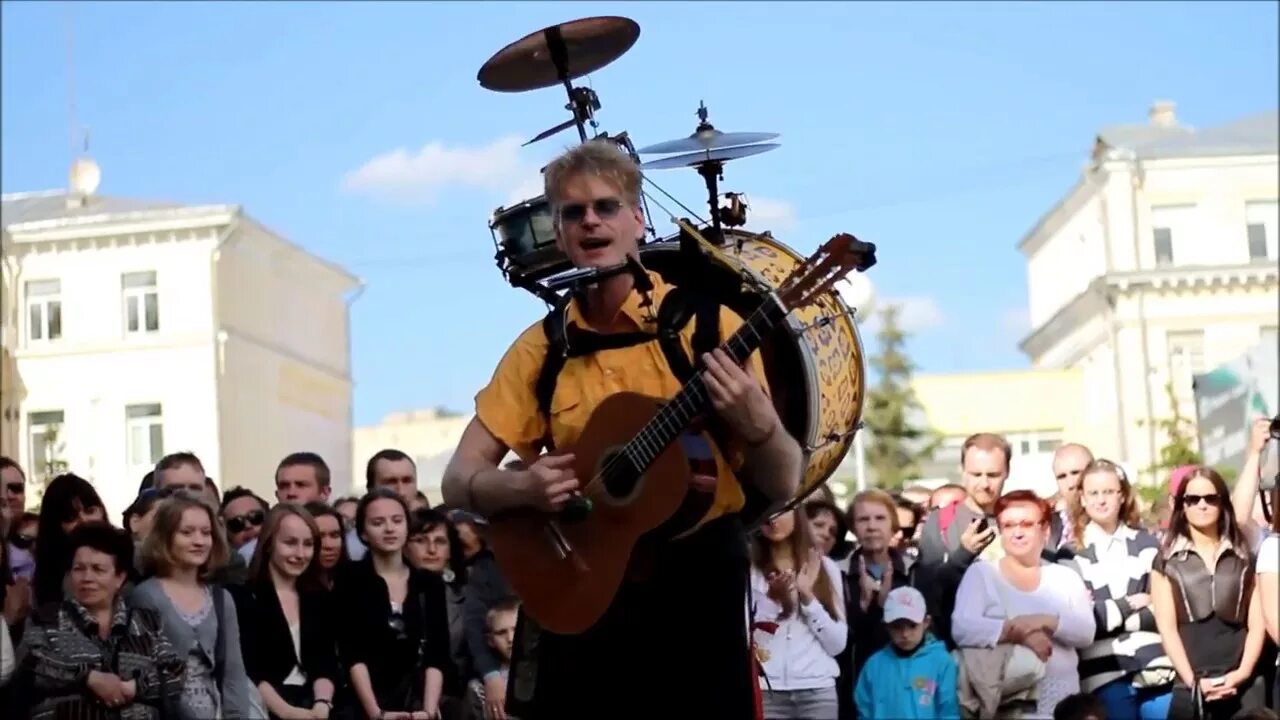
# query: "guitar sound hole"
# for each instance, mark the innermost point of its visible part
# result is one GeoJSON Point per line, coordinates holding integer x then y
{"type": "Point", "coordinates": [620, 476]}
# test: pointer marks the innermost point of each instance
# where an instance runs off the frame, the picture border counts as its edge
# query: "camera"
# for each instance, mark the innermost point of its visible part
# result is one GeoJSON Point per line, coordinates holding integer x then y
{"type": "Point", "coordinates": [1275, 428]}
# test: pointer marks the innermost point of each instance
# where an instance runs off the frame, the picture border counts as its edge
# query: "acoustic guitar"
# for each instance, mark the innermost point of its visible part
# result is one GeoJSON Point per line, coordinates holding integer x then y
{"type": "Point", "coordinates": [636, 457]}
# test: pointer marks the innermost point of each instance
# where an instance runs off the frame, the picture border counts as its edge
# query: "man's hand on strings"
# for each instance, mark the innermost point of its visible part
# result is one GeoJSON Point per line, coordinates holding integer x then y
{"type": "Point", "coordinates": [739, 399]}
{"type": "Point", "coordinates": [550, 482]}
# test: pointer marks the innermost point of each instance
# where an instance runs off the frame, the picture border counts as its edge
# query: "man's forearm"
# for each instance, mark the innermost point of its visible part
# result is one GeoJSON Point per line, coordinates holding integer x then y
{"type": "Point", "coordinates": [776, 466]}
{"type": "Point", "coordinates": [480, 487]}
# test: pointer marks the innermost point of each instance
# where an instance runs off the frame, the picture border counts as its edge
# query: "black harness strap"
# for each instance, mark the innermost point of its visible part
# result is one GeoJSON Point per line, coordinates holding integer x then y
{"type": "Point", "coordinates": [566, 340]}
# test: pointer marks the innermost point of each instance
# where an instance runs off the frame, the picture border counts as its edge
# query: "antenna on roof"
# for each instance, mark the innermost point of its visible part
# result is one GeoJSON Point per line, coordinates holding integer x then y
{"type": "Point", "coordinates": [85, 175]}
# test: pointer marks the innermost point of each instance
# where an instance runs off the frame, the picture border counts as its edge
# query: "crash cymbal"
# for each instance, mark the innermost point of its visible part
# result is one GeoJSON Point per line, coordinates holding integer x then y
{"type": "Point", "coordinates": [706, 140]}
{"type": "Point", "coordinates": [558, 53]}
{"type": "Point", "coordinates": [709, 156]}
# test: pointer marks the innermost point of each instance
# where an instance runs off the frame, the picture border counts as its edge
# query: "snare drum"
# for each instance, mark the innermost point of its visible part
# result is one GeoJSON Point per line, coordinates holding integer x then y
{"type": "Point", "coordinates": [814, 363]}
{"type": "Point", "coordinates": [524, 236]}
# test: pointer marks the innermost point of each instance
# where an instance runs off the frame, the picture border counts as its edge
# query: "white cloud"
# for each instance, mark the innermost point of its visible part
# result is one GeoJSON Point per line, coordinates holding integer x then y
{"type": "Point", "coordinates": [527, 189]}
{"type": "Point", "coordinates": [769, 214]}
{"type": "Point", "coordinates": [915, 314]}
{"type": "Point", "coordinates": [417, 176]}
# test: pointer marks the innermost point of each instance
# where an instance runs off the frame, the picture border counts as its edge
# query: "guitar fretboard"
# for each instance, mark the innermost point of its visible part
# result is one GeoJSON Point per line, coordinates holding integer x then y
{"type": "Point", "coordinates": [693, 398]}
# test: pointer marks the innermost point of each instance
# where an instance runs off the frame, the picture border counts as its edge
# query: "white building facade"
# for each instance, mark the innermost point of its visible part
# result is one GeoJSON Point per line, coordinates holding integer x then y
{"type": "Point", "coordinates": [142, 329]}
{"type": "Point", "coordinates": [1161, 262]}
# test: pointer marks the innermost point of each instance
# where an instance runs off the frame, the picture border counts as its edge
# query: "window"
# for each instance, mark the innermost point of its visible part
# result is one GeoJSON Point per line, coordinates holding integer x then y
{"type": "Point", "coordinates": [44, 310]}
{"type": "Point", "coordinates": [1257, 241]}
{"type": "Point", "coordinates": [1164, 246]}
{"type": "Point", "coordinates": [141, 303]}
{"type": "Point", "coordinates": [1048, 444]}
{"type": "Point", "coordinates": [44, 441]}
{"type": "Point", "coordinates": [1261, 220]}
{"type": "Point", "coordinates": [1173, 227]}
{"type": "Point", "coordinates": [1034, 442]}
{"type": "Point", "coordinates": [1186, 357]}
{"type": "Point", "coordinates": [145, 429]}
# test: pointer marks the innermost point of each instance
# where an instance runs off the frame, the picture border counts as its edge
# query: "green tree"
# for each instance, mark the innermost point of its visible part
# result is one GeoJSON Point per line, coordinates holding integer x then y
{"type": "Point", "coordinates": [896, 446]}
{"type": "Point", "coordinates": [1178, 433]}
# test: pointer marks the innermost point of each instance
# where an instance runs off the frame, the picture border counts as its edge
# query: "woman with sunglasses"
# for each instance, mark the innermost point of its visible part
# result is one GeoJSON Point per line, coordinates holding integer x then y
{"type": "Point", "coordinates": [395, 636]}
{"type": "Point", "coordinates": [1206, 606]}
{"type": "Point", "coordinates": [1126, 666]}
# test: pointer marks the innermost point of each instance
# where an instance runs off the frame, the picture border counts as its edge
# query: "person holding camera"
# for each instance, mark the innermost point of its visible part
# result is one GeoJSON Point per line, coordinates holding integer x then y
{"type": "Point", "coordinates": [1251, 508]}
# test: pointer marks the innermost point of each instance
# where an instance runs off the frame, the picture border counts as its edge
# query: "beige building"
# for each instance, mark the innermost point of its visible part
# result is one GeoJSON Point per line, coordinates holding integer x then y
{"type": "Point", "coordinates": [429, 436]}
{"type": "Point", "coordinates": [140, 328]}
{"type": "Point", "coordinates": [1035, 410]}
{"type": "Point", "coordinates": [1160, 262]}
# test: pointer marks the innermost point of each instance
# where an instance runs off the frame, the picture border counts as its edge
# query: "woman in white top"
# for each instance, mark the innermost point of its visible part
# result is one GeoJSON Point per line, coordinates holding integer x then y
{"type": "Point", "coordinates": [287, 633]}
{"type": "Point", "coordinates": [1022, 600]}
{"type": "Point", "coordinates": [798, 626]}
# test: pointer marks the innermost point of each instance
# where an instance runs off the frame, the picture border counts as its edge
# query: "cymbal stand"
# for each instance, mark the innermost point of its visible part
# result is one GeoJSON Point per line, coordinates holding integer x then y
{"type": "Point", "coordinates": [712, 172]}
{"type": "Point", "coordinates": [623, 140]}
{"type": "Point", "coordinates": [583, 102]}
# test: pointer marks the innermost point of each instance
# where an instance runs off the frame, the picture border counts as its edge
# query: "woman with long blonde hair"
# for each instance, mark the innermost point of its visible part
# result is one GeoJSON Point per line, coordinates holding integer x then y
{"type": "Point", "coordinates": [184, 549]}
{"type": "Point", "coordinates": [798, 625]}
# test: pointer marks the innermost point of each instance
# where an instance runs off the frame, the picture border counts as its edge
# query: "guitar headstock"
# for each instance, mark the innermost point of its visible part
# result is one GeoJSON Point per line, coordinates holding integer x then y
{"type": "Point", "coordinates": [820, 271]}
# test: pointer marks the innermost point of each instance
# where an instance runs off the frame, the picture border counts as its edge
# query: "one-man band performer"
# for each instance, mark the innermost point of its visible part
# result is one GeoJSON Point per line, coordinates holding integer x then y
{"type": "Point", "coordinates": [675, 643]}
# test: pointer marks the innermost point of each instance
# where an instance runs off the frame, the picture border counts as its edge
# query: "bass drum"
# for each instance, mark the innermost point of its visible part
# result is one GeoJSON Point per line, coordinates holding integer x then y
{"type": "Point", "coordinates": [814, 363]}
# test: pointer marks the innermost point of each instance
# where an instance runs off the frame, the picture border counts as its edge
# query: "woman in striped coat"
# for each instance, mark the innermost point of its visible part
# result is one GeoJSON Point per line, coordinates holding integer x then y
{"type": "Point", "coordinates": [1126, 665]}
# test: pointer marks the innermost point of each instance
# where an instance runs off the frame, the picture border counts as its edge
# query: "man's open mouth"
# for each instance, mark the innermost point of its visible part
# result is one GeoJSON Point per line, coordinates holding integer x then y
{"type": "Point", "coordinates": [594, 243]}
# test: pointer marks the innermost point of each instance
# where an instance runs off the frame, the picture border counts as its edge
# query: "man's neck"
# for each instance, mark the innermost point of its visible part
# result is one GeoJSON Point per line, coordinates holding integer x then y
{"type": "Point", "coordinates": [974, 506]}
{"type": "Point", "coordinates": [605, 298]}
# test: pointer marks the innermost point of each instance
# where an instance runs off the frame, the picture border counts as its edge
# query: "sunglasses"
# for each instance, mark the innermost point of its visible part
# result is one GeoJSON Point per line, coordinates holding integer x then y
{"type": "Point", "coordinates": [15, 488]}
{"type": "Point", "coordinates": [1192, 500]}
{"type": "Point", "coordinates": [243, 522]}
{"type": "Point", "coordinates": [604, 208]}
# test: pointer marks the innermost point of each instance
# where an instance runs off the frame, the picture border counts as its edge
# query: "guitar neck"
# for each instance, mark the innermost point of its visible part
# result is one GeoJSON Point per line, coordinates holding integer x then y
{"type": "Point", "coordinates": [693, 399]}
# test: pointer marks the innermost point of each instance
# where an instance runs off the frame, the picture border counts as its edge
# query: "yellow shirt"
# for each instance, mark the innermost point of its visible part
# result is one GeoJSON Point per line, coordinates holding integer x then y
{"type": "Point", "coordinates": [508, 406]}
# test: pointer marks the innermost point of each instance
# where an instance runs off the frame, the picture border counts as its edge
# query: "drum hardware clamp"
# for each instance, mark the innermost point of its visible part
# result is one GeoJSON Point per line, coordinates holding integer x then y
{"type": "Point", "coordinates": [833, 438]}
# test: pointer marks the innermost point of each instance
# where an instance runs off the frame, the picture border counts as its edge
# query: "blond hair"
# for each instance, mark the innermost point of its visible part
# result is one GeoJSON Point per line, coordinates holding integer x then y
{"type": "Point", "coordinates": [156, 556]}
{"type": "Point", "coordinates": [878, 497]}
{"type": "Point", "coordinates": [601, 158]}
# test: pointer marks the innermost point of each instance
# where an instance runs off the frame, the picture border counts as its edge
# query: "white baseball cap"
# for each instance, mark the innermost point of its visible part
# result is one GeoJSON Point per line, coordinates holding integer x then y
{"type": "Point", "coordinates": [904, 603]}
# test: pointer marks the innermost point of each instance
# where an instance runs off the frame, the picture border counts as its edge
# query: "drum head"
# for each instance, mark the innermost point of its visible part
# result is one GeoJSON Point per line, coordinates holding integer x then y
{"type": "Point", "coordinates": [525, 239]}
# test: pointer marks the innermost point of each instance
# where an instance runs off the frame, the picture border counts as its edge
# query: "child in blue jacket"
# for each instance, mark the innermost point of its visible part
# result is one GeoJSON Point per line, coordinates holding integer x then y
{"type": "Point", "coordinates": [913, 677]}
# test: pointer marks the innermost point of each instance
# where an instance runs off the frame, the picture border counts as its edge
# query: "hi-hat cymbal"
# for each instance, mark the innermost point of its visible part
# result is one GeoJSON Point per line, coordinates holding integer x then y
{"type": "Point", "coordinates": [709, 156]}
{"type": "Point", "coordinates": [706, 140]}
{"type": "Point", "coordinates": [557, 53]}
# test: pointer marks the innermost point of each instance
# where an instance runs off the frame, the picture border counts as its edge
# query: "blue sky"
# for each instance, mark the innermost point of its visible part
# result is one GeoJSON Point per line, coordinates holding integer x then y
{"type": "Point", "coordinates": [938, 131]}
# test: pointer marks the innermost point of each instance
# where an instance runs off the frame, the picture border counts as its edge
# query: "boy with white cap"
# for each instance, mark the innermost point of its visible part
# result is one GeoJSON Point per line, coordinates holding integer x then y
{"type": "Point", "coordinates": [913, 677]}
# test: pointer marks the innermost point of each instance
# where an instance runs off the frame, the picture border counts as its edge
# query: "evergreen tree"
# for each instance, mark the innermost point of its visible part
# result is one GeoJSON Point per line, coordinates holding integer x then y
{"type": "Point", "coordinates": [896, 447]}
